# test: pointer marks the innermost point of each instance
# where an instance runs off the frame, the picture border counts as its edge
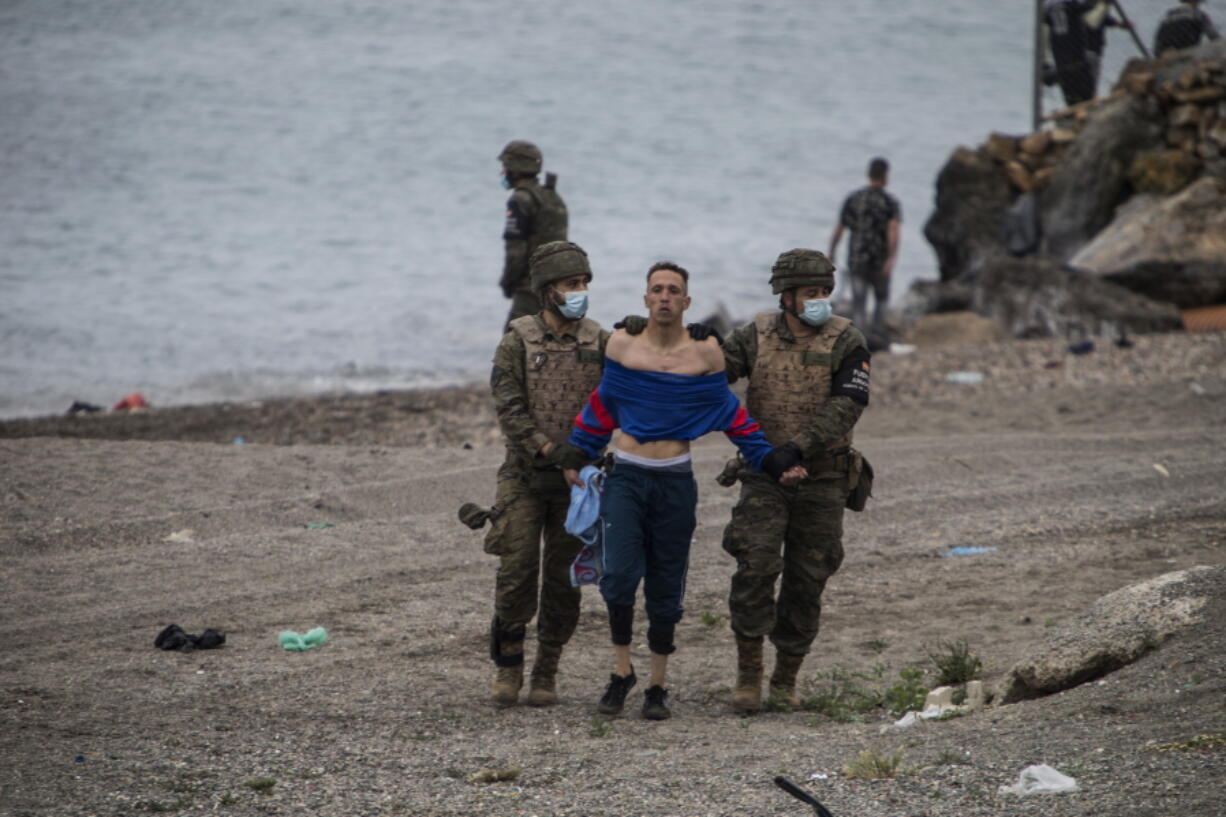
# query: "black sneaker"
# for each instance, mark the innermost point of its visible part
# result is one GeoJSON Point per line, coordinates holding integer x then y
{"type": "Point", "coordinates": [614, 698]}
{"type": "Point", "coordinates": [655, 704]}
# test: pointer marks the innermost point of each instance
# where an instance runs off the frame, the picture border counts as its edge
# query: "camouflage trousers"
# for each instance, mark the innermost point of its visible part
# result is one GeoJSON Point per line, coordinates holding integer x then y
{"type": "Point", "coordinates": [523, 302]}
{"type": "Point", "coordinates": [796, 532]}
{"type": "Point", "coordinates": [533, 503]}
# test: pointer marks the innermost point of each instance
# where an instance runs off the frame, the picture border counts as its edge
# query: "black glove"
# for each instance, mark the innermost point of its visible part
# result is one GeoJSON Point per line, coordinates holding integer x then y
{"type": "Point", "coordinates": [778, 461]}
{"type": "Point", "coordinates": [633, 324]}
{"type": "Point", "coordinates": [567, 457]}
{"type": "Point", "coordinates": [473, 515]}
{"type": "Point", "coordinates": [1049, 74]}
{"type": "Point", "coordinates": [702, 331]}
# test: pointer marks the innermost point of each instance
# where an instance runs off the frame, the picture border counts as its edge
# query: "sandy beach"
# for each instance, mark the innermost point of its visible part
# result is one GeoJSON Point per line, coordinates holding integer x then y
{"type": "Point", "coordinates": [1079, 475]}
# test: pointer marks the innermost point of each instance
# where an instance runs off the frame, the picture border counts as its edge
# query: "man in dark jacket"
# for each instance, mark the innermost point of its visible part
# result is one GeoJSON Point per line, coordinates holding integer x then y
{"type": "Point", "coordinates": [1183, 27]}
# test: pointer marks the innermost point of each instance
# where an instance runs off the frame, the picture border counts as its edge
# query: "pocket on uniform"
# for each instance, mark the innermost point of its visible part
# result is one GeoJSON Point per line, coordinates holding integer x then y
{"type": "Point", "coordinates": [496, 540]}
{"type": "Point", "coordinates": [859, 481]}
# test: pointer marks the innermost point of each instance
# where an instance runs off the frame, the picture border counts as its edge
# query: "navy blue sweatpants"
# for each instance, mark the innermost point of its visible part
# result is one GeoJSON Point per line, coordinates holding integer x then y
{"type": "Point", "coordinates": [648, 525]}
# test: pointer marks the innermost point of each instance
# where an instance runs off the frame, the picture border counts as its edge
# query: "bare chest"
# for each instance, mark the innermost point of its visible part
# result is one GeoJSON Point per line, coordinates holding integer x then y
{"type": "Point", "coordinates": [687, 360]}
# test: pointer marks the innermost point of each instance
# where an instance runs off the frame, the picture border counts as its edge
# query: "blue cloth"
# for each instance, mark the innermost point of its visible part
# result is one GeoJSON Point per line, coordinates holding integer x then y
{"type": "Point", "coordinates": [584, 523]}
{"type": "Point", "coordinates": [653, 406]}
{"type": "Point", "coordinates": [584, 512]}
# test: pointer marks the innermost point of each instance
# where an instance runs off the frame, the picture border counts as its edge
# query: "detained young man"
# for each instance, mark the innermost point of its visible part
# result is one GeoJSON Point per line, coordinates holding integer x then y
{"type": "Point", "coordinates": [663, 389]}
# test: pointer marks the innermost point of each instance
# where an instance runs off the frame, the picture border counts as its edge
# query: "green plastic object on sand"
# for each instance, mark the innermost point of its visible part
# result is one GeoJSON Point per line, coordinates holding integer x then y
{"type": "Point", "coordinates": [297, 642]}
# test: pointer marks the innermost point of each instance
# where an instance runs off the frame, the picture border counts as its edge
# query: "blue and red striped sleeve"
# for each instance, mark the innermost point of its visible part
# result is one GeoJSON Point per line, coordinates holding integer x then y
{"type": "Point", "coordinates": [748, 437]}
{"type": "Point", "coordinates": [594, 426]}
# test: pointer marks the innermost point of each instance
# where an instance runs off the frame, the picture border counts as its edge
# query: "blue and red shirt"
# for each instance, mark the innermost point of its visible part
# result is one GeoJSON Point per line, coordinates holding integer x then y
{"type": "Point", "coordinates": [652, 406]}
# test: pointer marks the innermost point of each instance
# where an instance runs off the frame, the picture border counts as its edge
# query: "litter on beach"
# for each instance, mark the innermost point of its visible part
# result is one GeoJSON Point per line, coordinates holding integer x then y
{"type": "Point", "coordinates": [1040, 779]}
{"type": "Point", "coordinates": [967, 550]}
{"type": "Point", "coordinates": [133, 402]}
{"type": "Point", "coordinates": [964, 378]}
{"type": "Point", "coordinates": [297, 642]}
{"type": "Point", "coordinates": [1082, 348]}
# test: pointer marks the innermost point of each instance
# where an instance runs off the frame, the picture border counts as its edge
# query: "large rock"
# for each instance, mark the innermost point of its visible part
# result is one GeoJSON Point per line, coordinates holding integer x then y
{"type": "Point", "coordinates": [972, 194]}
{"type": "Point", "coordinates": [1118, 629]}
{"type": "Point", "coordinates": [1162, 171]}
{"type": "Point", "coordinates": [1035, 297]}
{"type": "Point", "coordinates": [926, 297]}
{"type": "Point", "coordinates": [1092, 179]}
{"type": "Point", "coordinates": [1172, 249]}
{"type": "Point", "coordinates": [1007, 255]}
{"type": "Point", "coordinates": [955, 329]}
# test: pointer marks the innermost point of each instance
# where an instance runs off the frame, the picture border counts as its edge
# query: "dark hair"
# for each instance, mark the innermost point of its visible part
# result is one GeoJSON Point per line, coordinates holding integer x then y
{"type": "Point", "coordinates": [669, 265]}
{"type": "Point", "coordinates": [877, 169]}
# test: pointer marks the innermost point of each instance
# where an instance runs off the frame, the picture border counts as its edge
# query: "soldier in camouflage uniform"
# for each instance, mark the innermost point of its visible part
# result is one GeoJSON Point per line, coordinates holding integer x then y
{"type": "Point", "coordinates": [873, 216]}
{"type": "Point", "coordinates": [808, 384]}
{"type": "Point", "coordinates": [544, 369]}
{"type": "Point", "coordinates": [536, 215]}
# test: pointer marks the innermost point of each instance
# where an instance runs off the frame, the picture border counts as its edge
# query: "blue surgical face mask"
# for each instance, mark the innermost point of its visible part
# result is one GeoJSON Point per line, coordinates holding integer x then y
{"type": "Point", "coordinates": [574, 307]}
{"type": "Point", "coordinates": [506, 183]}
{"type": "Point", "coordinates": [817, 311]}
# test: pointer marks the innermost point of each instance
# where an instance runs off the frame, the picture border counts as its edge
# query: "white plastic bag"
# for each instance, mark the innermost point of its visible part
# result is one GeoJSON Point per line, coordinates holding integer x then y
{"type": "Point", "coordinates": [1040, 779]}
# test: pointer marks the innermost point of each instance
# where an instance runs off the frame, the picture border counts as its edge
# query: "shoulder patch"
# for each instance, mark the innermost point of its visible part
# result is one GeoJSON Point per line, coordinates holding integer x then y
{"type": "Point", "coordinates": [517, 224]}
{"type": "Point", "coordinates": [851, 380]}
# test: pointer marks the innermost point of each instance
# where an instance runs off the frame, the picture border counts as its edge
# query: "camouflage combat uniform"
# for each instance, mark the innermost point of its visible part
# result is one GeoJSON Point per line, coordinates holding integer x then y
{"type": "Point", "coordinates": [867, 213]}
{"type": "Point", "coordinates": [539, 382]}
{"type": "Point", "coordinates": [536, 215]}
{"type": "Point", "coordinates": [796, 531]}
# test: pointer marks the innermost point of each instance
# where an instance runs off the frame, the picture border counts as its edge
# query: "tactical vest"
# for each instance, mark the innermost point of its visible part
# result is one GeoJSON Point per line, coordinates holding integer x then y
{"type": "Point", "coordinates": [561, 372]}
{"type": "Point", "coordinates": [551, 217]}
{"type": "Point", "coordinates": [790, 382]}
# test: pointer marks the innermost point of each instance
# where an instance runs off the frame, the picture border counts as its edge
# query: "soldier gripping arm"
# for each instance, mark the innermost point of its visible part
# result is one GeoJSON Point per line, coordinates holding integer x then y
{"type": "Point", "coordinates": [850, 363]}
{"type": "Point", "coordinates": [848, 398]}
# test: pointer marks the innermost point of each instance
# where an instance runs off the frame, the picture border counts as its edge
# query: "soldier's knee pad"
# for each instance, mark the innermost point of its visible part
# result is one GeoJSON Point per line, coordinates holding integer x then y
{"type": "Point", "coordinates": [504, 638]}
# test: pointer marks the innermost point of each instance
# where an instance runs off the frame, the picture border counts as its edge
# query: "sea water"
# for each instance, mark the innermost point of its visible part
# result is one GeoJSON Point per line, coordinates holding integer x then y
{"type": "Point", "coordinates": [218, 200]}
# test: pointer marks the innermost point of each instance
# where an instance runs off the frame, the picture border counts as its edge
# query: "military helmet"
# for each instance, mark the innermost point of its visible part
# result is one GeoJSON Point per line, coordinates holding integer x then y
{"type": "Point", "coordinates": [556, 260]}
{"type": "Point", "coordinates": [801, 268]}
{"type": "Point", "coordinates": [521, 157]}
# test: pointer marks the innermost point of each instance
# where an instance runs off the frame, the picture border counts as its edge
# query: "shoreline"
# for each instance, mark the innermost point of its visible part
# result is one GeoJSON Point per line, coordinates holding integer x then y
{"type": "Point", "coordinates": [1110, 385]}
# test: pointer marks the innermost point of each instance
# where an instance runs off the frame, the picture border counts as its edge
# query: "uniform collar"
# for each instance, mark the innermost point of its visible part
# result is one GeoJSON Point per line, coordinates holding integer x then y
{"type": "Point", "coordinates": [785, 332]}
{"type": "Point", "coordinates": [550, 332]}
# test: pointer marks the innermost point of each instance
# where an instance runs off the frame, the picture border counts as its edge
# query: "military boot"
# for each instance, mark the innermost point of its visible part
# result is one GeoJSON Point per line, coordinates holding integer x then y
{"type": "Point", "coordinates": [748, 695]}
{"type": "Point", "coordinates": [543, 690]}
{"type": "Point", "coordinates": [783, 679]}
{"type": "Point", "coordinates": [507, 684]}
{"type": "Point", "coordinates": [507, 650]}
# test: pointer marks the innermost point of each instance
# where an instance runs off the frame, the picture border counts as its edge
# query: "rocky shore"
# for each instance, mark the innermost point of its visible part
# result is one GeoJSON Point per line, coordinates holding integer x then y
{"type": "Point", "coordinates": [919, 381]}
{"type": "Point", "coordinates": [911, 393]}
{"type": "Point", "coordinates": [1111, 221]}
